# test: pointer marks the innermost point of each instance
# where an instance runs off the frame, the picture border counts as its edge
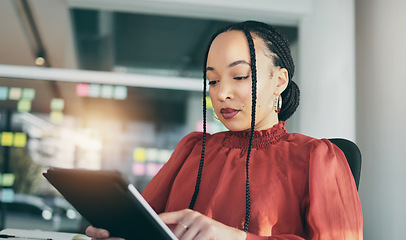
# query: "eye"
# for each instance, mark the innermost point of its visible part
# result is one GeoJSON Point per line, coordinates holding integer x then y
{"type": "Point", "coordinates": [212, 82]}
{"type": "Point", "coordinates": [241, 78]}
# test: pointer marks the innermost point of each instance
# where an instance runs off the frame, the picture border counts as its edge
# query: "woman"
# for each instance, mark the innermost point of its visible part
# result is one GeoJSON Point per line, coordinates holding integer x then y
{"type": "Point", "coordinates": [256, 181]}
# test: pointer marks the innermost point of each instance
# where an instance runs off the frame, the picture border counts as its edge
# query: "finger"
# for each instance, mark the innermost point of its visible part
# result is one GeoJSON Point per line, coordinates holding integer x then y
{"type": "Point", "coordinates": [180, 229]}
{"type": "Point", "coordinates": [206, 232]}
{"type": "Point", "coordinates": [97, 232]}
{"type": "Point", "coordinates": [202, 236]}
{"type": "Point", "coordinates": [200, 226]}
{"type": "Point", "coordinates": [191, 232]}
{"type": "Point", "coordinates": [174, 217]}
{"type": "Point", "coordinates": [180, 221]}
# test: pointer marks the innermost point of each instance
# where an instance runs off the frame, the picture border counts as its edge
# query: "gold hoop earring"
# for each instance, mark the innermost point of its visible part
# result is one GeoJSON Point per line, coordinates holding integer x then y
{"type": "Point", "coordinates": [278, 103]}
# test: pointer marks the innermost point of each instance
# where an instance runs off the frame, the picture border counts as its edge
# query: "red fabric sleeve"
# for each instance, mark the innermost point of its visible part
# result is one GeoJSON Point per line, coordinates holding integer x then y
{"type": "Point", "coordinates": [251, 236]}
{"type": "Point", "coordinates": [333, 208]}
{"type": "Point", "coordinates": [157, 191]}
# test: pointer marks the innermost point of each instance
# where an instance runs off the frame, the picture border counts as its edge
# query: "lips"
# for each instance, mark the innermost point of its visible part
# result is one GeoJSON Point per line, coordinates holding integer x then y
{"type": "Point", "coordinates": [228, 113]}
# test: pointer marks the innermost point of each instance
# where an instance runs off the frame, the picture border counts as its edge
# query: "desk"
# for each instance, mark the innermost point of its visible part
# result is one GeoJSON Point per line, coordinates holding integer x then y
{"type": "Point", "coordinates": [23, 234]}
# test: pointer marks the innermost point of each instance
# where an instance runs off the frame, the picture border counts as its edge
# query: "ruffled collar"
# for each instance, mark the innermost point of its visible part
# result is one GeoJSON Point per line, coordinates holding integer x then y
{"type": "Point", "coordinates": [261, 139]}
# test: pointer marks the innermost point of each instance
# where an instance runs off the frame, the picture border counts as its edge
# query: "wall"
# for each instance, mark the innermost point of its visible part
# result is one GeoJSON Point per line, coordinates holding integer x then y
{"type": "Point", "coordinates": [381, 114]}
{"type": "Point", "coordinates": [277, 11]}
{"type": "Point", "coordinates": [327, 71]}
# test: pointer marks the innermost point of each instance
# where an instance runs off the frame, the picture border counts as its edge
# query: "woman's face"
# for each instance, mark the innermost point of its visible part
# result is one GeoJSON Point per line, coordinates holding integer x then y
{"type": "Point", "coordinates": [230, 85]}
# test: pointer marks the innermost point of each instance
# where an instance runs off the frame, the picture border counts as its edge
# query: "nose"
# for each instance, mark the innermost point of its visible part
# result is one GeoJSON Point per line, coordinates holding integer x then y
{"type": "Point", "coordinates": [225, 91]}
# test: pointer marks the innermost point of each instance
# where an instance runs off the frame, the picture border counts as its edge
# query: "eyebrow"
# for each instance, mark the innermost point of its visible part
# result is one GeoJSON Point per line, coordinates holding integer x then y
{"type": "Point", "coordinates": [238, 62]}
{"type": "Point", "coordinates": [235, 63]}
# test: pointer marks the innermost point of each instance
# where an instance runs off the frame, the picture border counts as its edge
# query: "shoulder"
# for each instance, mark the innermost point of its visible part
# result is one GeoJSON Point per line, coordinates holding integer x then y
{"type": "Point", "coordinates": [191, 138]}
{"type": "Point", "coordinates": [311, 145]}
{"type": "Point", "coordinates": [321, 152]}
{"type": "Point", "coordinates": [195, 137]}
{"type": "Point", "coordinates": [302, 140]}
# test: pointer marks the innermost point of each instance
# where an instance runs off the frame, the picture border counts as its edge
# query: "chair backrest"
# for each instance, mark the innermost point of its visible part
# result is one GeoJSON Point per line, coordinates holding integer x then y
{"type": "Point", "coordinates": [353, 155]}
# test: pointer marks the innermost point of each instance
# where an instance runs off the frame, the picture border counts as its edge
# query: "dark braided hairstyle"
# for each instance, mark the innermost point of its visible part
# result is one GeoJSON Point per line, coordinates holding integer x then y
{"type": "Point", "coordinates": [279, 48]}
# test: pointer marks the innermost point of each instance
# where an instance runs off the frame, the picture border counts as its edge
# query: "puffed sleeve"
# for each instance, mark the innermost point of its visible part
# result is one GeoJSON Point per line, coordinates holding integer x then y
{"type": "Point", "coordinates": [332, 209]}
{"type": "Point", "coordinates": [157, 191]}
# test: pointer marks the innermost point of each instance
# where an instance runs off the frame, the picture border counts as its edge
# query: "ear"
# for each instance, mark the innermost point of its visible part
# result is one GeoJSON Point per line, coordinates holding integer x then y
{"type": "Point", "coordinates": [282, 80]}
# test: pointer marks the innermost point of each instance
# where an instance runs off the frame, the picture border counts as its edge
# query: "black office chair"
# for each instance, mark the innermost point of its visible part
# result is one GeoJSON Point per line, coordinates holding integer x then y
{"type": "Point", "coordinates": [353, 155]}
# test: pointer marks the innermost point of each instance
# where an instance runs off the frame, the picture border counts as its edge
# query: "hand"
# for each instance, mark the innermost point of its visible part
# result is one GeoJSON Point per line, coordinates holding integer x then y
{"type": "Point", "coordinates": [98, 233]}
{"type": "Point", "coordinates": [188, 224]}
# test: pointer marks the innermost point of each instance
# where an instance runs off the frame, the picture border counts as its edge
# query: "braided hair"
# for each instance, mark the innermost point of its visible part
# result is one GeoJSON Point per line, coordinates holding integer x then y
{"type": "Point", "coordinates": [278, 46]}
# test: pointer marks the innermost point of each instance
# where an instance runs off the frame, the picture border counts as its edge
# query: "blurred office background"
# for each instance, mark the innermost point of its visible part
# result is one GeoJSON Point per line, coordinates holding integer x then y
{"type": "Point", "coordinates": [115, 84]}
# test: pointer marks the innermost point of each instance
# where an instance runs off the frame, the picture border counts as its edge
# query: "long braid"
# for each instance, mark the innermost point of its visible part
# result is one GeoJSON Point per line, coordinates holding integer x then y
{"type": "Point", "coordinates": [254, 103]}
{"type": "Point", "coordinates": [201, 164]}
{"type": "Point", "coordinates": [200, 171]}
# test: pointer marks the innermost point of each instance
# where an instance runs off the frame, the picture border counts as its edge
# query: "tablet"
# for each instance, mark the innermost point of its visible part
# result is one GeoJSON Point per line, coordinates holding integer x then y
{"type": "Point", "coordinates": [107, 200]}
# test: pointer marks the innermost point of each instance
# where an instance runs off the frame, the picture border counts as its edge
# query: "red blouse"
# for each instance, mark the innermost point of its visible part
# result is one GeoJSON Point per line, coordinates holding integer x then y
{"type": "Point", "coordinates": [300, 187]}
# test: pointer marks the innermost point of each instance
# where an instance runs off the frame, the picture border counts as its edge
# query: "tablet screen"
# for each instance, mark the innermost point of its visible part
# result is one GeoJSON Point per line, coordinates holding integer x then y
{"type": "Point", "coordinates": [107, 200]}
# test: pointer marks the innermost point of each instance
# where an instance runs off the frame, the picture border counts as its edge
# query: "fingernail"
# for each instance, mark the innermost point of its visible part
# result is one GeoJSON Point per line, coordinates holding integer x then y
{"type": "Point", "coordinates": [105, 233]}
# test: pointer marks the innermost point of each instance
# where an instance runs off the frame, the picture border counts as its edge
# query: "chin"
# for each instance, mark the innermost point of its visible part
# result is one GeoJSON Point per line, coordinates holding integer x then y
{"type": "Point", "coordinates": [236, 127]}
